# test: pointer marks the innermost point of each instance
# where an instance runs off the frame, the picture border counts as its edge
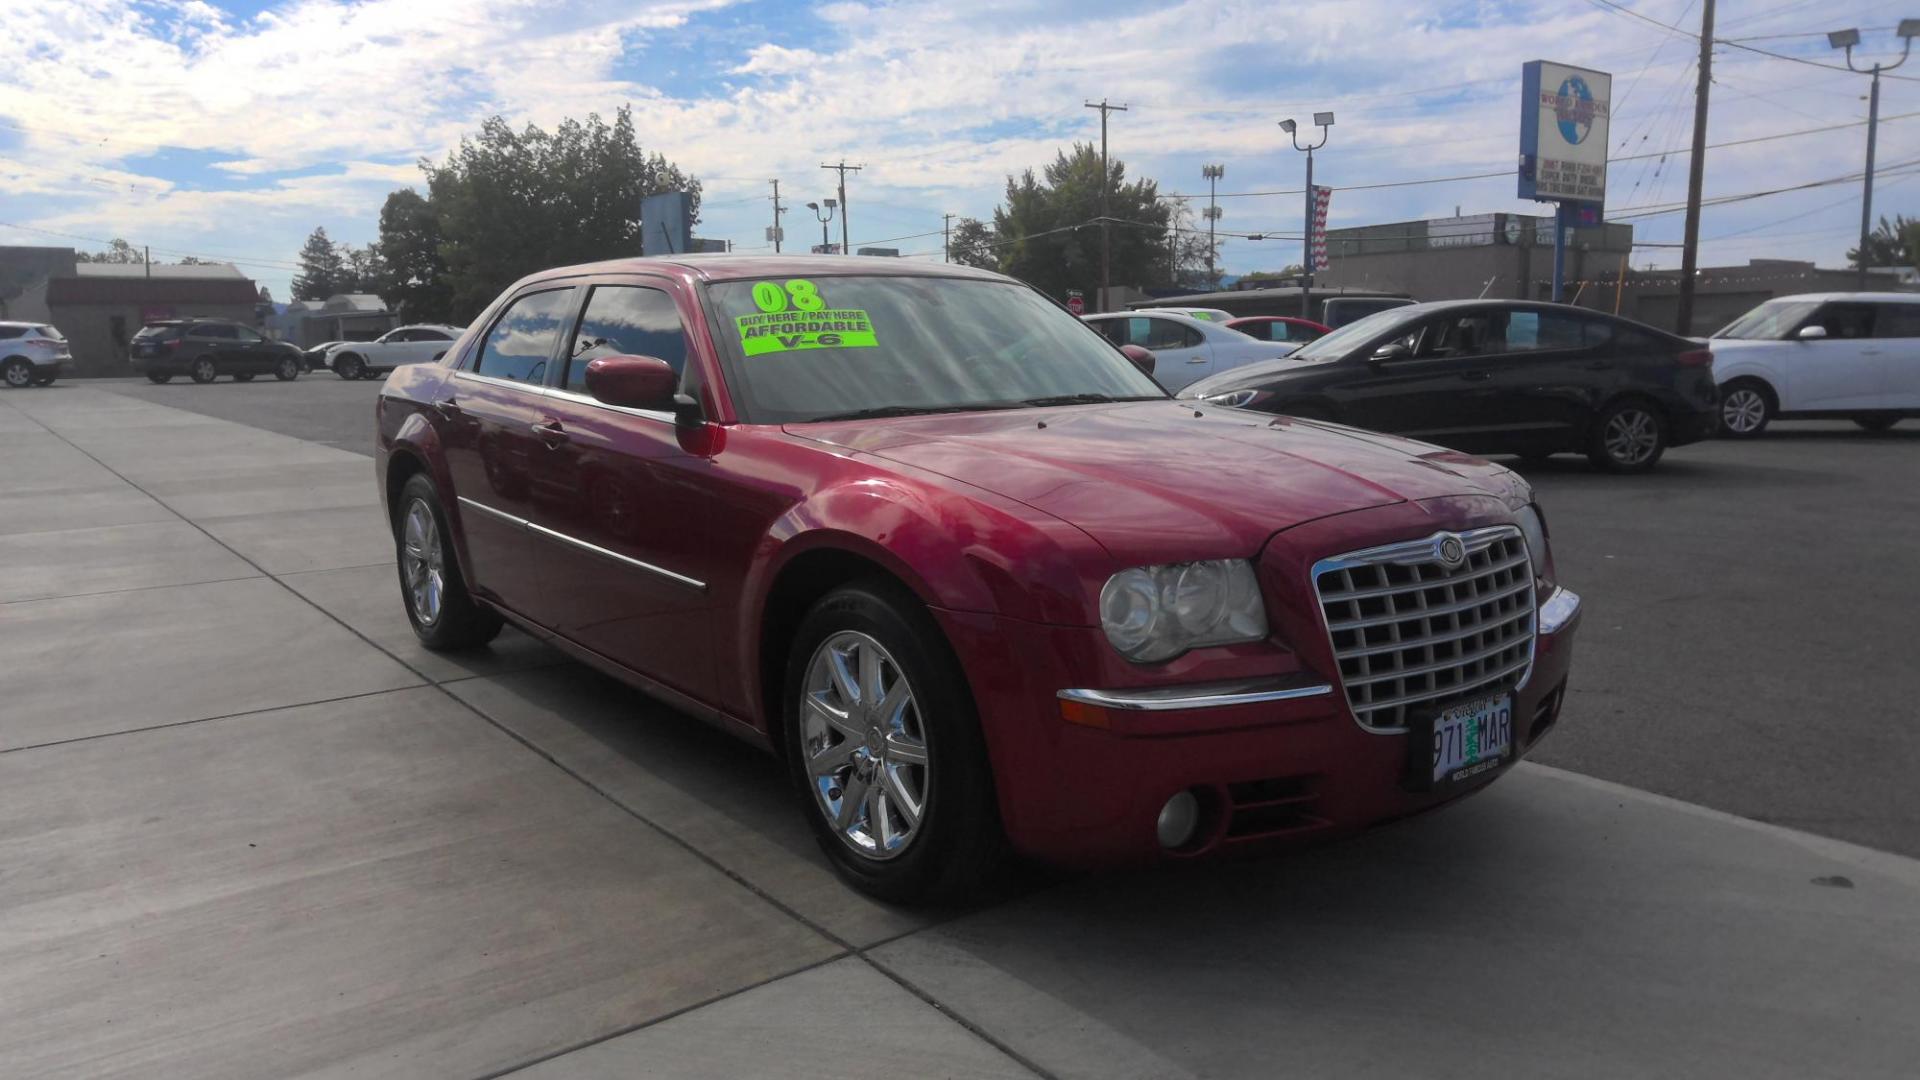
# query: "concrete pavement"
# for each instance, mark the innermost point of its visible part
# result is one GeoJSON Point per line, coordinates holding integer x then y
{"type": "Point", "coordinates": [248, 828]}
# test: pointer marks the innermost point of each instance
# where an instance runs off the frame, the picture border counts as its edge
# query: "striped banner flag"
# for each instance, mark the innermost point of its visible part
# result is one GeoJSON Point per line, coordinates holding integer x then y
{"type": "Point", "coordinates": [1321, 197]}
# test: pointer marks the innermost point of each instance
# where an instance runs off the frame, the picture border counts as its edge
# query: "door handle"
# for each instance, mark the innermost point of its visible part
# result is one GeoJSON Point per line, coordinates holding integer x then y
{"type": "Point", "coordinates": [1197, 360]}
{"type": "Point", "coordinates": [550, 432]}
{"type": "Point", "coordinates": [1476, 376]}
{"type": "Point", "coordinates": [447, 407]}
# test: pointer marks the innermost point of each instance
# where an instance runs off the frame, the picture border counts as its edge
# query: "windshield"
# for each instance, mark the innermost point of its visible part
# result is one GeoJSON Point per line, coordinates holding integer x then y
{"type": "Point", "coordinates": [828, 347]}
{"type": "Point", "coordinates": [1344, 340]}
{"type": "Point", "coordinates": [1771, 321]}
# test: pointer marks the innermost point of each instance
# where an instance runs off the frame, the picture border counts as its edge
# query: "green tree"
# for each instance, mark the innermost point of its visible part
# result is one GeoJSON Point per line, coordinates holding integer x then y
{"type": "Point", "coordinates": [323, 272]}
{"type": "Point", "coordinates": [118, 251]}
{"type": "Point", "coordinates": [415, 275]}
{"type": "Point", "coordinates": [1891, 243]}
{"type": "Point", "coordinates": [508, 203]}
{"type": "Point", "coordinates": [266, 295]}
{"type": "Point", "coordinates": [1049, 228]}
{"type": "Point", "coordinates": [365, 269]}
{"type": "Point", "coordinates": [971, 244]}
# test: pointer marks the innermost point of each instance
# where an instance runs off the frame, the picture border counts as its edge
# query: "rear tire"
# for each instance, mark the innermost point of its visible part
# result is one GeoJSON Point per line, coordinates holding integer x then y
{"type": "Point", "coordinates": [287, 369]}
{"type": "Point", "coordinates": [1876, 422]}
{"type": "Point", "coordinates": [349, 367]}
{"type": "Point", "coordinates": [883, 755]}
{"type": "Point", "coordinates": [204, 370]}
{"type": "Point", "coordinates": [159, 380]}
{"type": "Point", "coordinates": [1746, 407]}
{"type": "Point", "coordinates": [443, 614]}
{"type": "Point", "coordinates": [17, 373]}
{"type": "Point", "coordinates": [1628, 437]}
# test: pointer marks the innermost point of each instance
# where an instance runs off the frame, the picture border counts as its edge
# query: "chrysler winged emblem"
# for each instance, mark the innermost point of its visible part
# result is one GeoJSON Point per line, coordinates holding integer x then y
{"type": "Point", "coordinates": [1449, 551]}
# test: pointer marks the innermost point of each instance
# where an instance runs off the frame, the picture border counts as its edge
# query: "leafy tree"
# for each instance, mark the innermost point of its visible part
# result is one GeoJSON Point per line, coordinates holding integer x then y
{"type": "Point", "coordinates": [1290, 272]}
{"type": "Point", "coordinates": [323, 272]}
{"type": "Point", "coordinates": [1049, 229]}
{"type": "Point", "coordinates": [266, 295]}
{"type": "Point", "coordinates": [415, 276]}
{"type": "Point", "coordinates": [508, 203]}
{"type": "Point", "coordinates": [971, 244]}
{"type": "Point", "coordinates": [365, 269]}
{"type": "Point", "coordinates": [118, 251]}
{"type": "Point", "coordinates": [1891, 243]}
{"type": "Point", "coordinates": [1190, 250]}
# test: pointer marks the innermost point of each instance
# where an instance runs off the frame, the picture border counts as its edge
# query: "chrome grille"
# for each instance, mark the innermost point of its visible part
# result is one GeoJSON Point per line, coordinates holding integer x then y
{"type": "Point", "coordinates": [1407, 629]}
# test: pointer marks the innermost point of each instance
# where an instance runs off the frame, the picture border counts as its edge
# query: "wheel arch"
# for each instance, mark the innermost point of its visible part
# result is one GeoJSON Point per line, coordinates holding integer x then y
{"type": "Point", "coordinates": [415, 449]}
{"type": "Point", "coordinates": [1760, 382]}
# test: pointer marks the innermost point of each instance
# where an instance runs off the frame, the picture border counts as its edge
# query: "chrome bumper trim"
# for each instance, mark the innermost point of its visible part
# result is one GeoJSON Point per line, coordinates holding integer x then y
{"type": "Point", "coordinates": [1202, 695]}
{"type": "Point", "coordinates": [1558, 610]}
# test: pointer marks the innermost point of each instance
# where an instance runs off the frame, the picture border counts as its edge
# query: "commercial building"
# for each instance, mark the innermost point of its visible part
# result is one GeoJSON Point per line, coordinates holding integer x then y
{"type": "Point", "coordinates": [102, 305]}
{"type": "Point", "coordinates": [342, 317]}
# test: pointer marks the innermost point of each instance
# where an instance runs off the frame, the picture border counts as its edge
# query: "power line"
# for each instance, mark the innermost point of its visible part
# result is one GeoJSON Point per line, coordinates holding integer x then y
{"type": "Point", "coordinates": [1732, 43]}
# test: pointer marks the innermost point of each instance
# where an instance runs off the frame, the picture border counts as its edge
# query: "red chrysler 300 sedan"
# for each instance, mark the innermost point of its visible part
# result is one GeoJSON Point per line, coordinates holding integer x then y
{"type": "Point", "coordinates": [974, 575]}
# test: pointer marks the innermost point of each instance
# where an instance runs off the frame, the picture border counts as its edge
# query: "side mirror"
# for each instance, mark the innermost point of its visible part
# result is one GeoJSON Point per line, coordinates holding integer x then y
{"type": "Point", "coordinates": [1141, 356]}
{"type": "Point", "coordinates": [1388, 353]}
{"type": "Point", "coordinates": [1811, 333]}
{"type": "Point", "coordinates": [634, 382]}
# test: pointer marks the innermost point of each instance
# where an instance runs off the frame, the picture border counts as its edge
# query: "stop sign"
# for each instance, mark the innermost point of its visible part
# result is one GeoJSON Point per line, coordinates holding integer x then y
{"type": "Point", "coordinates": [1075, 304]}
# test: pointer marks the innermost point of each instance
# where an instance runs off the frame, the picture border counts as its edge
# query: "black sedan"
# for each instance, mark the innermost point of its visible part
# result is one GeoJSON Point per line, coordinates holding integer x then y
{"type": "Point", "coordinates": [1494, 377]}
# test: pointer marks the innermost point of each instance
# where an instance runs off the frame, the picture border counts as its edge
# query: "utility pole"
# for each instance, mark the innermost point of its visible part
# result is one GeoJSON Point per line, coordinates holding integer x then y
{"type": "Point", "coordinates": [843, 169]}
{"type": "Point", "coordinates": [1322, 120]}
{"type": "Point", "coordinates": [1847, 39]}
{"type": "Point", "coordinates": [1106, 183]}
{"type": "Point", "coordinates": [774, 235]}
{"type": "Point", "coordinates": [946, 237]}
{"type": "Point", "coordinates": [1212, 174]}
{"type": "Point", "coordinates": [1696, 174]}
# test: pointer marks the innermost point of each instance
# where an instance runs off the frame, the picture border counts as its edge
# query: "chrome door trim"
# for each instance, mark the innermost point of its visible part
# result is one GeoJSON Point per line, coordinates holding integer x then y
{"type": "Point", "coordinates": [536, 389]}
{"type": "Point", "coordinates": [485, 509]}
{"type": "Point", "coordinates": [587, 399]}
{"type": "Point", "coordinates": [596, 549]}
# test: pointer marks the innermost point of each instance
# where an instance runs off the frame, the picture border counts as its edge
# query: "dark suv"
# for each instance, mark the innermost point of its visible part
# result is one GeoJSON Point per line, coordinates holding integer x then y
{"type": "Point", "coordinates": [205, 349]}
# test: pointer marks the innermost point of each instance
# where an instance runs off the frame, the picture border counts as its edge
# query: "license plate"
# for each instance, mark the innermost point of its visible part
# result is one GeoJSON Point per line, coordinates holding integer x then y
{"type": "Point", "coordinates": [1471, 738]}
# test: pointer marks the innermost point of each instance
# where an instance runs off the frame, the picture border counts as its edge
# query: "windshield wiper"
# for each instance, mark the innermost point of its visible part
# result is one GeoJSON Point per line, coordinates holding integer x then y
{"type": "Point", "coordinates": [880, 411]}
{"type": "Point", "coordinates": [1081, 399]}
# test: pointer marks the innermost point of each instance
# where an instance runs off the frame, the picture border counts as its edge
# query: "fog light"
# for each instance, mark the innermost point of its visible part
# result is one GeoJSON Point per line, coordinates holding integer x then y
{"type": "Point", "coordinates": [1178, 820]}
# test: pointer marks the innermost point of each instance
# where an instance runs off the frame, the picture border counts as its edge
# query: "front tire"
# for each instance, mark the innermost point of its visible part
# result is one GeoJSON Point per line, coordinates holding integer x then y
{"type": "Point", "coordinates": [885, 752]}
{"type": "Point", "coordinates": [287, 369]}
{"type": "Point", "coordinates": [1628, 437]}
{"type": "Point", "coordinates": [204, 370]}
{"type": "Point", "coordinates": [1746, 407]}
{"type": "Point", "coordinates": [444, 615]}
{"type": "Point", "coordinates": [349, 367]}
{"type": "Point", "coordinates": [17, 373]}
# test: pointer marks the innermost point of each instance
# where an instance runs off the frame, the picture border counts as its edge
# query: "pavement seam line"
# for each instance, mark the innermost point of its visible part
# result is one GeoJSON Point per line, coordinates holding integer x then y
{"type": "Point", "coordinates": [835, 939]}
{"type": "Point", "coordinates": [129, 589]}
{"type": "Point", "coordinates": [209, 719]}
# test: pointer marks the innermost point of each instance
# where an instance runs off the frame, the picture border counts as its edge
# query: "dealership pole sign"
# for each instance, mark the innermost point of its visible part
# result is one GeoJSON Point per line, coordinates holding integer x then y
{"type": "Point", "coordinates": [1563, 132]}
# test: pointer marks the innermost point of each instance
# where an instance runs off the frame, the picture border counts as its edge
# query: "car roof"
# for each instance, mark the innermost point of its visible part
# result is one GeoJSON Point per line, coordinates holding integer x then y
{"type": "Point", "coordinates": [741, 267]}
{"type": "Point", "coordinates": [1870, 297]}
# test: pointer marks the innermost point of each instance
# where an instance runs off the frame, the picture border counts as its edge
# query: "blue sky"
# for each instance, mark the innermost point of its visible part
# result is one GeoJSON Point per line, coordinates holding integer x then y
{"type": "Point", "coordinates": [233, 128]}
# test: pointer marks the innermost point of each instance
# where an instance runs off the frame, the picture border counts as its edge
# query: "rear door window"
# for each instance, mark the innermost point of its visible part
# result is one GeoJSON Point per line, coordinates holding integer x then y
{"type": "Point", "coordinates": [1897, 321]}
{"type": "Point", "coordinates": [1167, 334]}
{"type": "Point", "coordinates": [523, 338]}
{"type": "Point", "coordinates": [626, 320]}
{"type": "Point", "coordinates": [12, 331]}
{"type": "Point", "coordinates": [217, 331]}
{"type": "Point", "coordinates": [1535, 331]}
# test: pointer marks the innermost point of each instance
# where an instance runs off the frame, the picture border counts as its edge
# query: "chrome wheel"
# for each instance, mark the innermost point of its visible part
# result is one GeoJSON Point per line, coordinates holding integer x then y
{"type": "Point", "coordinates": [19, 373]}
{"type": "Point", "coordinates": [1631, 436]}
{"type": "Point", "coordinates": [1743, 410]}
{"type": "Point", "coordinates": [865, 745]}
{"type": "Point", "coordinates": [422, 562]}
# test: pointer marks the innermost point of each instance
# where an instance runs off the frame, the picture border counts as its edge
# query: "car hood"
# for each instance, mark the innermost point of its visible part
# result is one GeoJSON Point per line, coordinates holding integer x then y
{"type": "Point", "coordinates": [1257, 374]}
{"type": "Point", "coordinates": [1159, 478]}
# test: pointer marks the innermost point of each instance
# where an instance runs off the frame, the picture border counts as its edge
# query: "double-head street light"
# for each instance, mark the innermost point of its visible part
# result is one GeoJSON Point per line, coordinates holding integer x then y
{"type": "Point", "coordinates": [825, 244]}
{"type": "Point", "coordinates": [1846, 40]}
{"type": "Point", "coordinates": [1323, 121]}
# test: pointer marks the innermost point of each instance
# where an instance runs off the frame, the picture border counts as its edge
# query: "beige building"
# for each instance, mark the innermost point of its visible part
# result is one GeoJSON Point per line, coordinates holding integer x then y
{"type": "Point", "coordinates": [102, 305]}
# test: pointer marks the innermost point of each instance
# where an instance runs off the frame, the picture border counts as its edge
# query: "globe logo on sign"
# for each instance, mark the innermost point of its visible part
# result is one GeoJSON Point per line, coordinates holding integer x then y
{"type": "Point", "coordinates": [1574, 110]}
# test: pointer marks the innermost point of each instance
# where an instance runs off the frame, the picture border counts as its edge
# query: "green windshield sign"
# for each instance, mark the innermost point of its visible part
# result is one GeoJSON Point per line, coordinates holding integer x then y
{"type": "Point", "coordinates": [795, 316]}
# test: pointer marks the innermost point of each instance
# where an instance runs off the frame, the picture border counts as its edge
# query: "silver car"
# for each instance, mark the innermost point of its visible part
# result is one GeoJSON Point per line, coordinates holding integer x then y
{"type": "Point", "coordinates": [32, 354]}
{"type": "Point", "coordinates": [1185, 349]}
{"type": "Point", "coordinates": [419, 343]}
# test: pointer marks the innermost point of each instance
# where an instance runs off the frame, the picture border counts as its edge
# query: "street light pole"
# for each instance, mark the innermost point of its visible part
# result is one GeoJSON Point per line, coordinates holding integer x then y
{"type": "Point", "coordinates": [825, 243]}
{"type": "Point", "coordinates": [1847, 39]}
{"type": "Point", "coordinates": [1322, 120]}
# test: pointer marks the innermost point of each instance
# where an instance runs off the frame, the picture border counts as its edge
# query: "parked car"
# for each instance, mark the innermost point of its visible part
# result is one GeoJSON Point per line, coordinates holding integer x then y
{"type": "Point", "coordinates": [1204, 314]}
{"type": "Point", "coordinates": [1279, 328]}
{"type": "Point", "coordinates": [205, 349]}
{"type": "Point", "coordinates": [417, 344]}
{"type": "Point", "coordinates": [1847, 356]}
{"type": "Point", "coordinates": [315, 358]}
{"type": "Point", "coordinates": [1338, 311]}
{"type": "Point", "coordinates": [1495, 377]}
{"type": "Point", "coordinates": [32, 354]}
{"type": "Point", "coordinates": [1184, 348]}
{"type": "Point", "coordinates": [978, 580]}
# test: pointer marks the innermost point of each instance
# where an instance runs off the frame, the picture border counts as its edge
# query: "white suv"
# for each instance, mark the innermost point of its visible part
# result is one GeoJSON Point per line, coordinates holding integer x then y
{"type": "Point", "coordinates": [32, 354]}
{"type": "Point", "coordinates": [1848, 356]}
{"type": "Point", "coordinates": [420, 343]}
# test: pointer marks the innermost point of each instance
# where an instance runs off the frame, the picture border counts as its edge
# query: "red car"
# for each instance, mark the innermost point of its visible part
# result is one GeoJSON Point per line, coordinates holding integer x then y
{"type": "Point", "coordinates": [1279, 328]}
{"type": "Point", "coordinates": [979, 580]}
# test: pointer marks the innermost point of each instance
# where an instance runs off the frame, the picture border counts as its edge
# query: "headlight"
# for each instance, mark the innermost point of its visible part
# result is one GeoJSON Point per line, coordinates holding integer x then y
{"type": "Point", "coordinates": [1233, 399]}
{"type": "Point", "coordinates": [1153, 613]}
{"type": "Point", "coordinates": [1534, 528]}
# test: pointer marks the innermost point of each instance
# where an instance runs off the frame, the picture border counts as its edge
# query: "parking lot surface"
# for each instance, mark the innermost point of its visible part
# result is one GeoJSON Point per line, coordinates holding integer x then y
{"type": "Point", "coordinates": [251, 829]}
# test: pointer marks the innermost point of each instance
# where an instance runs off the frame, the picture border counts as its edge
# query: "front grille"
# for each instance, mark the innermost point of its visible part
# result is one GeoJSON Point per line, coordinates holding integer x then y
{"type": "Point", "coordinates": [1407, 630]}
